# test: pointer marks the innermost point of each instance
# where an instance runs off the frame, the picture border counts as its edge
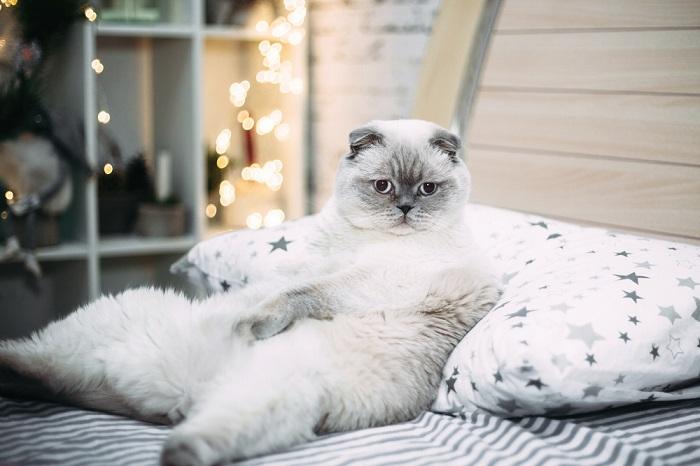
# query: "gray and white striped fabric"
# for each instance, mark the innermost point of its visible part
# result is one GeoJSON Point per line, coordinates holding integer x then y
{"type": "Point", "coordinates": [33, 433]}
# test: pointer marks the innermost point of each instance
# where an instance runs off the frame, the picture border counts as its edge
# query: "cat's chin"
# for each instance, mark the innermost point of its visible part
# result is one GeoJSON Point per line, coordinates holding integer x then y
{"type": "Point", "coordinates": [402, 229]}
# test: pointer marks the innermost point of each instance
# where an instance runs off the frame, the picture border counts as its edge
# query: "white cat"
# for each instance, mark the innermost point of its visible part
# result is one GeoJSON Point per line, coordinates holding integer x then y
{"type": "Point", "coordinates": [356, 340]}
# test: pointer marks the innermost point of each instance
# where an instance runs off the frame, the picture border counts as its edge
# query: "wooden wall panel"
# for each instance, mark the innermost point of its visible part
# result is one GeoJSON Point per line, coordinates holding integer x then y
{"type": "Point", "coordinates": [646, 61]}
{"type": "Point", "coordinates": [657, 198]}
{"type": "Point", "coordinates": [585, 14]}
{"type": "Point", "coordinates": [649, 127]}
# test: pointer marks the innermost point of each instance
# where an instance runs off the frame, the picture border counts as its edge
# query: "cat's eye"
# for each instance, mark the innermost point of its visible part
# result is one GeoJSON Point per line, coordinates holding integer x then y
{"type": "Point", "coordinates": [426, 189]}
{"type": "Point", "coordinates": [382, 186]}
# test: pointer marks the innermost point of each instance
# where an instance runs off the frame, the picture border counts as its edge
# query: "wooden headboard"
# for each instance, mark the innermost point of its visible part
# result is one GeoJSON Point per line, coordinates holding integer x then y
{"type": "Point", "coordinates": [590, 111]}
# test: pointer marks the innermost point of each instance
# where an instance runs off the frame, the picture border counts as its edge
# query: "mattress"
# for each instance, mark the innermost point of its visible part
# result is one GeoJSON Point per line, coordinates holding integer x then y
{"type": "Point", "coordinates": [37, 433]}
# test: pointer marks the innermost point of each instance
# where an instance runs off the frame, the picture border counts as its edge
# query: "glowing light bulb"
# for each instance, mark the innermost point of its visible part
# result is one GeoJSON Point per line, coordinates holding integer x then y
{"type": "Point", "coordinates": [90, 14]}
{"type": "Point", "coordinates": [262, 26]}
{"type": "Point", "coordinates": [295, 37]}
{"type": "Point", "coordinates": [9, 195]}
{"type": "Point", "coordinates": [282, 132]}
{"type": "Point", "coordinates": [227, 193]}
{"type": "Point", "coordinates": [254, 220]}
{"type": "Point", "coordinates": [108, 168]}
{"type": "Point", "coordinates": [210, 211]}
{"type": "Point", "coordinates": [274, 217]}
{"type": "Point", "coordinates": [97, 66]}
{"type": "Point", "coordinates": [223, 141]}
{"type": "Point", "coordinates": [242, 115]}
{"type": "Point", "coordinates": [248, 124]}
{"type": "Point", "coordinates": [103, 117]}
{"type": "Point", "coordinates": [222, 162]}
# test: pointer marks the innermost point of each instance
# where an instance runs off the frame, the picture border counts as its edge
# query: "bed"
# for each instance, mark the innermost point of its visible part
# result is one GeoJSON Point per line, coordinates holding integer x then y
{"type": "Point", "coordinates": [467, 425]}
{"type": "Point", "coordinates": [606, 141]}
{"type": "Point", "coordinates": [33, 433]}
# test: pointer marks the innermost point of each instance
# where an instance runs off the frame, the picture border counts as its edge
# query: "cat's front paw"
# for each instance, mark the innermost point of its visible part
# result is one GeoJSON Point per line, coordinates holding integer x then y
{"type": "Point", "coordinates": [182, 450]}
{"type": "Point", "coordinates": [269, 326]}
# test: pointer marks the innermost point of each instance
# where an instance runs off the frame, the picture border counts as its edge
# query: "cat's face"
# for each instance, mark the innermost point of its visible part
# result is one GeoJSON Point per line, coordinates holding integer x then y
{"type": "Point", "coordinates": [402, 176]}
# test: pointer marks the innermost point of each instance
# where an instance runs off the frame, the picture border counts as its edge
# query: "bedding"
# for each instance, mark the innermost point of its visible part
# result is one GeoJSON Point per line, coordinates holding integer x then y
{"type": "Point", "coordinates": [588, 319]}
{"type": "Point", "coordinates": [36, 433]}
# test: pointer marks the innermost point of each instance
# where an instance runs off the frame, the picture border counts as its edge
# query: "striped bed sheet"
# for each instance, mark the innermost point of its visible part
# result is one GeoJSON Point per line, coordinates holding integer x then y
{"type": "Point", "coordinates": [36, 433]}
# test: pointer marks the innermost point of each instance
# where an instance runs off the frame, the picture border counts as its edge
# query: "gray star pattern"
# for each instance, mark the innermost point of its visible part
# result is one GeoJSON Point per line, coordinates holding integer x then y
{"type": "Point", "coordinates": [279, 244]}
{"type": "Point", "coordinates": [522, 312]}
{"type": "Point", "coordinates": [670, 313]}
{"type": "Point", "coordinates": [620, 379]}
{"type": "Point", "coordinates": [674, 346]}
{"type": "Point", "coordinates": [592, 390]}
{"type": "Point", "coordinates": [688, 282]}
{"type": "Point", "coordinates": [584, 333]}
{"type": "Point", "coordinates": [561, 361]}
{"type": "Point", "coordinates": [696, 312]}
{"type": "Point", "coordinates": [508, 405]}
{"type": "Point", "coordinates": [631, 276]}
{"type": "Point", "coordinates": [563, 307]}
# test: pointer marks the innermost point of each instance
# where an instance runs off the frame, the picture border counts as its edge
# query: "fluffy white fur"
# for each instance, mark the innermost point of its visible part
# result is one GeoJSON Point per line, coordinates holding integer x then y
{"type": "Point", "coordinates": [357, 340]}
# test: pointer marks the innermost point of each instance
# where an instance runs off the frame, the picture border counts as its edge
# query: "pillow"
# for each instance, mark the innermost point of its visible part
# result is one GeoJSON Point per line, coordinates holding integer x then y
{"type": "Point", "coordinates": [589, 319]}
{"type": "Point", "coordinates": [235, 259]}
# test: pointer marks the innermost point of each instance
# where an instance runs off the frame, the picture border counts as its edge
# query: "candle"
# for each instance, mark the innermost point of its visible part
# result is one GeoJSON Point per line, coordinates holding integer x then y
{"type": "Point", "coordinates": [163, 176]}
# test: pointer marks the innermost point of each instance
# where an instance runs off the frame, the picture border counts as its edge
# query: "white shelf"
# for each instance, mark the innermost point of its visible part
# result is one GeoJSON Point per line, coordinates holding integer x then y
{"type": "Point", "coordinates": [64, 251]}
{"type": "Point", "coordinates": [234, 34]}
{"type": "Point", "coordinates": [126, 246]}
{"type": "Point", "coordinates": [173, 31]}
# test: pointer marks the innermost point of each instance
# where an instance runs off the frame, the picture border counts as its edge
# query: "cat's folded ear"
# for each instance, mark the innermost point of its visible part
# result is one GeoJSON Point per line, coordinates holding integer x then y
{"type": "Point", "coordinates": [362, 138]}
{"type": "Point", "coordinates": [446, 142]}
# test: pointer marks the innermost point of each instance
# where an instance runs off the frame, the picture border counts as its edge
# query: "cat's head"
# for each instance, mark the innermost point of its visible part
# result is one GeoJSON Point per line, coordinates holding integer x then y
{"type": "Point", "coordinates": [402, 176]}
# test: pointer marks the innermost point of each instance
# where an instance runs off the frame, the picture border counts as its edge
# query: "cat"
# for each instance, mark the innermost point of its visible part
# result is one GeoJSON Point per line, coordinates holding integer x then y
{"type": "Point", "coordinates": [355, 341]}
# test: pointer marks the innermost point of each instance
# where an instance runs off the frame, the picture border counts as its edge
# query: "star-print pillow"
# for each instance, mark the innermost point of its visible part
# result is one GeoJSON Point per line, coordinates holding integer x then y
{"type": "Point", "coordinates": [589, 319]}
{"type": "Point", "coordinates": [233, 260]}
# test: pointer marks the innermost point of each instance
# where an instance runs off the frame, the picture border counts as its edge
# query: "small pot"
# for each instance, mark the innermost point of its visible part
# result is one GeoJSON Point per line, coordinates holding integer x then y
{"type": "Point", "coordinates": [161, 220]}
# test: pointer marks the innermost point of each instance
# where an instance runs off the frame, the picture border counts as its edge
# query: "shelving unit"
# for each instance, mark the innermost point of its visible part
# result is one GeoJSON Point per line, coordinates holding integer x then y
{"type": "Point", "coordinates": [162, 85]}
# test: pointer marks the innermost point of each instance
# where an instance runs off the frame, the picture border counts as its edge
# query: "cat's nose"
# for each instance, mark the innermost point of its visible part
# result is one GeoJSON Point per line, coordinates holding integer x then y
{"type": "Point", "coordinates": [404, 208]}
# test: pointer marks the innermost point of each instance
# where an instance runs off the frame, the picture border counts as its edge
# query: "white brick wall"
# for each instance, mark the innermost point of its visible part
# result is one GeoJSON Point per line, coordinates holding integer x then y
{"type": "Point", "coordinates": [365, 63]}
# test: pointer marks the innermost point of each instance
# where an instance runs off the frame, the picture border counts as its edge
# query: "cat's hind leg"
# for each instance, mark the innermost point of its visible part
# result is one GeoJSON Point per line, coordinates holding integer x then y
{"type": "Point", "coordinates": [247, 415]}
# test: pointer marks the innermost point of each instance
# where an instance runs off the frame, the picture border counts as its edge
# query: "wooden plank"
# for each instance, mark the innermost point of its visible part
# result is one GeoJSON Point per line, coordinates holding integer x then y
{"type": "Point", "coordinates": [448, 53]}
{"type": "Point", "coordinates": [588, 14]}
{"type": "Point", "coordinates": [647, 127]}
{"type": "Point", "coordinates": [661, 198]}
{"type": "Point", "coordinates": [646, 61]}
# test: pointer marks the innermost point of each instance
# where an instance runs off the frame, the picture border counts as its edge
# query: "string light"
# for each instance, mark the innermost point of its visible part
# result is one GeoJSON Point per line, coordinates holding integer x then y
{"type": "Point", "coordinates": [9, 195]}
{"type": "Point", "coordinates": [8, 3]}
{"type": "Point", "coordinates": [268, 174]}
{"type": "Point", "coordinates": [242, 115]}
{"type": "Point", "coordinates": [274, 217]}
{"type": "Point", "coordinates": [227, 193]}
{"type": "Point", "coordinates": [238, 93]}
{"type": "Point", "coordinates": [282, 132]}
{"type": "Point", "coordinates": [103, 117]}
{"type": "Point", "coordinates": [97, 66]}
{"type": "Point", "coordinates": [223, 142]}
{"type": "Point", "coordinates": [262, 26]}
{"type": "Point", "coordinates": [254, 220]}
{"type": "Point", "coordinates": [222, 162]}
{"type": "Point", "coordinates": [108, 169]}
{"type": "Point", "coordinates": [210, 211]}
{"type": "Point", "coordinates": [90, 13]}
{"type": "Point", "coordinates": [248, 124]}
